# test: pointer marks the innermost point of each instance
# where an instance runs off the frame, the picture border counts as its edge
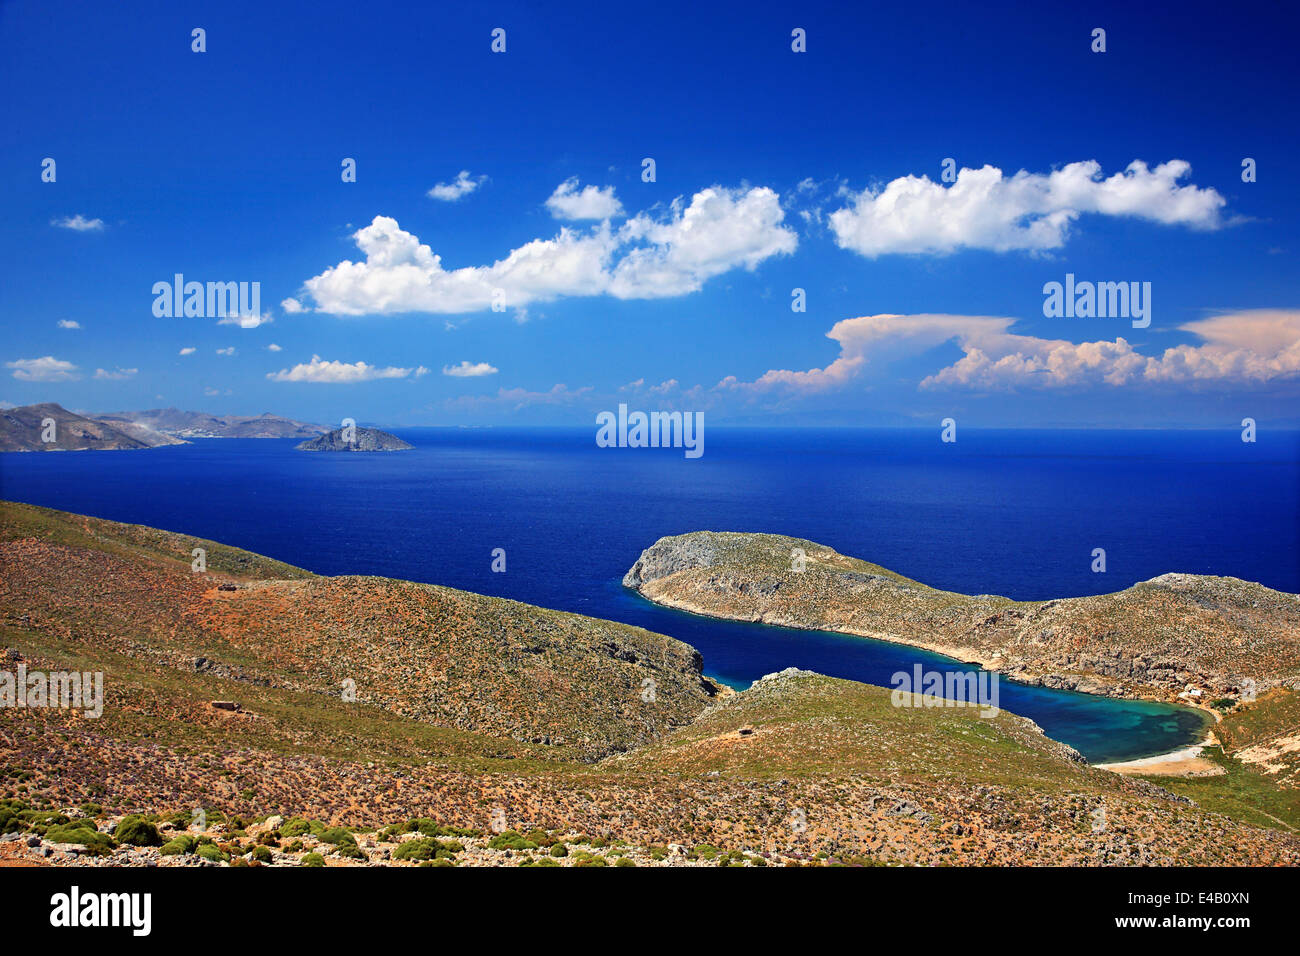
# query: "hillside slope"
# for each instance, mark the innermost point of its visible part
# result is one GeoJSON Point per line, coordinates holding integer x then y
{"type": "Point", "coordinates": [24, 429]}
{"type": "Point", "coordinates": [436, 654]}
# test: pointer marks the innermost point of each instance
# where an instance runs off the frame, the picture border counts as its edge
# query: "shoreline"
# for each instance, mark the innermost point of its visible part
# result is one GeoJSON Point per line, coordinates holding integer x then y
{"type": "Point", "coordinates": [1182, 761]}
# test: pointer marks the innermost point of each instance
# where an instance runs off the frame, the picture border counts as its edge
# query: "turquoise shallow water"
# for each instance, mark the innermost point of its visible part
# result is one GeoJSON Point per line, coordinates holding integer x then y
{"type": "Point", "coordinates": [1103, 729]}
{"type": "Point", "coordinates": [1014, 513]}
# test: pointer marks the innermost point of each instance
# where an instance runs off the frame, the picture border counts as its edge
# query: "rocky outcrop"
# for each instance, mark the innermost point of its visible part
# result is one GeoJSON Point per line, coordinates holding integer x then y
{"type": "Point", "coordinates": [358, 439]}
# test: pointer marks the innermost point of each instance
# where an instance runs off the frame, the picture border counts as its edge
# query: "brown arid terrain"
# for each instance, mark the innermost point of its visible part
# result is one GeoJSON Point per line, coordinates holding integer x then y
{"type": "Point", "coordinates": [1204, 638]}
{"type": "Point", "coordinates": [304, 720]}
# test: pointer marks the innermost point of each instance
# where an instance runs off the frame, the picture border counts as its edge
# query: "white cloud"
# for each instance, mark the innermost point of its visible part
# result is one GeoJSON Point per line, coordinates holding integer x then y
{"type": "Point", "coordinates": [79, 223]}
{"type": "Point", "coordinates": [273, 347]}
{"type": "Point", "coordinates": [248, 321]}
{"type": "Point", "coordinates": [1247, 347]}
{"type": "Point", "coordinates": [341, 372]}
{"type": "Point", "coordinates": [516, 399]}
{"type": "Point", "coordinates": [292, 306]}
{"type": "Point", "coordinates": [188, 350]}
{"type": "Point", "coordinates": [69, 324]}
{"type": "Point", "coordinates": [1028, 211]}
{"type": "Point", "coordinates": [467, 369]}
{"type": "Point", "coordinates": [591, 202]}
{"type": "Point", "coordinates": [462, 186]}
{"type": "Point", "coordinates": [46, 369]}
{"type": "Point", "coordinates": [665, 387]}
{"type": "Point", "coordinates": [229, 350]}
{"type": "Point", "coordinates": [116, 374]}
{"type": "Point", "coordinates": [719, 230]}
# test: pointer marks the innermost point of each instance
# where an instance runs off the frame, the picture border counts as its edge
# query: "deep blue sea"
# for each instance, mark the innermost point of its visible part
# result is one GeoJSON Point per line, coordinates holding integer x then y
{"type": "Point", "coordinates": [1006, 512]}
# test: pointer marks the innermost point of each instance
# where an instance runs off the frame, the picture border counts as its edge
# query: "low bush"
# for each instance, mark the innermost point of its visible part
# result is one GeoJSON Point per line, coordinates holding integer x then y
{"type": "Point", "coordinates": [137, 831]}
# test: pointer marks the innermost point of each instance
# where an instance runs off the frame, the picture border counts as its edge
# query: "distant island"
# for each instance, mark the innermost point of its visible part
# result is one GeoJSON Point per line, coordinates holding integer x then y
{"type": "Point", "coordinates": [28, 428]}
{"type": "Point", "coordinates": [362, 439]}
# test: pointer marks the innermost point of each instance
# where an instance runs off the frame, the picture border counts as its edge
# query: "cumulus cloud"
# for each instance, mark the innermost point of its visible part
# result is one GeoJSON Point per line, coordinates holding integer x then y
{"type": "Point", "coordinates": [984, 209]}
{"type": "Point", "coordinates": [590, 202]}
{"type": "Point", "coordinates": [188, 350]}
{"type": "Point", "coordinates": [468, 369]}
{"type": "Point", "coordinates": [228, 350]}
{"type": "Point", "coordinates": [273, 347]}
{"type": "Point", "coordinates": [461, 186]}
{"type": "Point", "coordinates": [647, 257]}
{"type": "Point", "coordinates": [1248, 347]}
{"type": "Point", "coordinates": [78, 223]}
{"type": "Point", "coordinates": [341, 373]}
{"type": "Point", "coordinates": [46, 369]}
{"type": "Point", "coordinates": [69, 324]}
{"type": "Point", "coordinates": [248, 321]}
{"type": "Point", "coordinates": [292, 306]}
{"type": "Point", "coordinates": [116, 374]}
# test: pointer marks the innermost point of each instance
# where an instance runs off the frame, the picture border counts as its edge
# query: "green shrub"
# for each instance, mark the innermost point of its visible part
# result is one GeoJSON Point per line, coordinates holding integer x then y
{"type": "Point", "coordinates": [559, 850]}
{"type": "Point", "coordinates": [335, 836]}
{"type": "Point", "coordinates": [350, 851]}
{"type": "Point", "coordinates": [85, 836]}
{"type": "Point", "coordinates": [296, 827]}
{"type": "Point", "coordinates": [42, 820]}
{"type": "Point", "coordinates": [592, 861]}
{"type": "Point", "coordinates": [312, 859]}
{"type": "Point", "coordinates": [624, 861]}
{"type": "Point", "coordinates": [540, 837]}
{"type": "Point", "coordinates": [180, 844]}
{"type": "Point", "coordinates": [417, 849]}
{"type": "Point", "coordinates": [137, 831]}
{"type": "Point", "coordinates": [269, 838]}
{"type": "Point", "coordinates": [261, 854]}
{"type": "Point", "coordinates": [510, 840]}
{"type": "Point", "coordinates": [212, 852]}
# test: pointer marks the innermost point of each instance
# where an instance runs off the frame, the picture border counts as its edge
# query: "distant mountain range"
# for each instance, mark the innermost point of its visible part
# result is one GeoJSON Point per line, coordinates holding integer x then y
{"type": "Point", "coordinates": [173, 421]}
{"type": "Point", "coordinates": [51, 427]}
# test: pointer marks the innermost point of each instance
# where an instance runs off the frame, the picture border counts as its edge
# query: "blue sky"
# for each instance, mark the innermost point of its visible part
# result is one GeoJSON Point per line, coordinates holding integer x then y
{"type": "Point", "coordinates": [775, 170]}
